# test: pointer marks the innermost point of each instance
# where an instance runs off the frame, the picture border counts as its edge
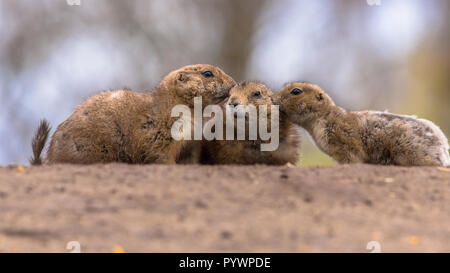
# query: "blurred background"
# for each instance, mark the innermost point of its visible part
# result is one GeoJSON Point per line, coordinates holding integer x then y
{"type": "Point", "coordinates": [393, 56]}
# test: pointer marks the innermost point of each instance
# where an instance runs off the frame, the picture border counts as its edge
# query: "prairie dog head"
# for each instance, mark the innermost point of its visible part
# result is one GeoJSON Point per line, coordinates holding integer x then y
{"type": "Point", "coordinates": [200, 80]}
{"type": "Point", "coordinates": [302, 102]}
{"type": "Point", "coordinates": [249, 93]}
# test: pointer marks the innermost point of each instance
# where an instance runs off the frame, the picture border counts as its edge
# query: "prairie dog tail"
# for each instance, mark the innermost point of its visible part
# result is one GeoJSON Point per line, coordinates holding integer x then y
{"type": "Point", "coordinates": [39, 140]}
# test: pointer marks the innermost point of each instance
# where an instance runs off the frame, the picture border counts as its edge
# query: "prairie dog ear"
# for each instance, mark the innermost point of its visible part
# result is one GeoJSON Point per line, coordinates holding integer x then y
{"type": "Point", "coordinates": [176, 78]}
{"type": "Point", "coordinates": [181, 80]}
{"type": "Point", "coordinates": [189, 84]}
{"type": "Point", "coordinates": [319, 97]}
{"type": "Point", "coordinates": [181, 77]}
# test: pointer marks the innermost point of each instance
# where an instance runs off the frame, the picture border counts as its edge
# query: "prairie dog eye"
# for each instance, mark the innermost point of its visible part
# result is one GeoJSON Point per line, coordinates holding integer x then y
{"type": "Point", "coordinates": [256, 94]}
{"type": "Point", "coordinates": [208, 74]}
{"type": "Point", "coordinates": [296, 91]}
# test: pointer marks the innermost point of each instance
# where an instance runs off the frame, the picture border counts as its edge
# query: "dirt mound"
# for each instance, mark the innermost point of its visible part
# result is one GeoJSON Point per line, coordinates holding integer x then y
{"type": "Point", "coordinates": [224, 208]}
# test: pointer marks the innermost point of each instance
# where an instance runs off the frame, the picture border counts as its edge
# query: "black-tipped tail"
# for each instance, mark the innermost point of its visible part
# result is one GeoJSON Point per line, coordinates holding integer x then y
{"type": "Point", "coordinates": [38, 143]}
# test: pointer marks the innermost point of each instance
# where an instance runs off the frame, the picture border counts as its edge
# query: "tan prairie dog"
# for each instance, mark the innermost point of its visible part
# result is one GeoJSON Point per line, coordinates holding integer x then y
{"type": "Point", "coordinates": [131, 127]}
{"type": "Point", "coordinates": [249, 151]}
{"type": "Point", "coordinates": [364, 136]}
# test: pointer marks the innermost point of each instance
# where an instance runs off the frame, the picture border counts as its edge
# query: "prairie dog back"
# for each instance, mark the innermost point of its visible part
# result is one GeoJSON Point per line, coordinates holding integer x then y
{"type": "Point", "coordinates": [411, 139]}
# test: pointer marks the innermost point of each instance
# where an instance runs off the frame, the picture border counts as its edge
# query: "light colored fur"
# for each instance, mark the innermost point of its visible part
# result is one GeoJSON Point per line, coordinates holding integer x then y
{"type": "Point", "coordinates": [364, 136]}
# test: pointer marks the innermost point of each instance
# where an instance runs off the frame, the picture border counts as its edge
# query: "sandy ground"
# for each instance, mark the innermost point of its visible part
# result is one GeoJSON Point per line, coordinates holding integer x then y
{"type": "Point", "coordinates": [159, 208]}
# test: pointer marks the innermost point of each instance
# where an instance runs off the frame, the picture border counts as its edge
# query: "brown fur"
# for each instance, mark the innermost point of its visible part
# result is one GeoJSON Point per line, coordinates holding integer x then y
{"type": "Point", "coordinates": [131, 127]}
{"type": "Point", "coordinates": [38, 143]}
{"type": "Point", "coordinates": [248, 151]}
{"type": "Point", "coordinates": [366, 136]}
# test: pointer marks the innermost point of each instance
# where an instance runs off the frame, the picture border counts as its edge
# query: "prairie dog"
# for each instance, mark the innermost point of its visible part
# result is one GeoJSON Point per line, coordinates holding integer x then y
{"type": "Point", "coordinates": [364, 136]}
{"type": "Point", "coordinates": [248, 151]}
{"type": "Point", "coordinates": [131, 127]}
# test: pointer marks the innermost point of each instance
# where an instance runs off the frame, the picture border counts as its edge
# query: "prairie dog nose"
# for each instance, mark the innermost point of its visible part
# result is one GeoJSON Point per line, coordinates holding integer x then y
{"type": "Point", "coordinates": [234, 101]}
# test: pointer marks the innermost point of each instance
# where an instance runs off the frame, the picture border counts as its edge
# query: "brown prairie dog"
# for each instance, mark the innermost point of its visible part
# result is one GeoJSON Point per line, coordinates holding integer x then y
{"type": "Point", "coordinates": [131, 127]}
{"type": "Point", "coordinates": [364, 136]}
{"type": "Point", "coordinates": [248, 151]}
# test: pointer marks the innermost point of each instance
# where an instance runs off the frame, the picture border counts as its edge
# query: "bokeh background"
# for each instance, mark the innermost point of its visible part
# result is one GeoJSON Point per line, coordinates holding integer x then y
{"type": "Point", "coordinates": [393, 56]}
